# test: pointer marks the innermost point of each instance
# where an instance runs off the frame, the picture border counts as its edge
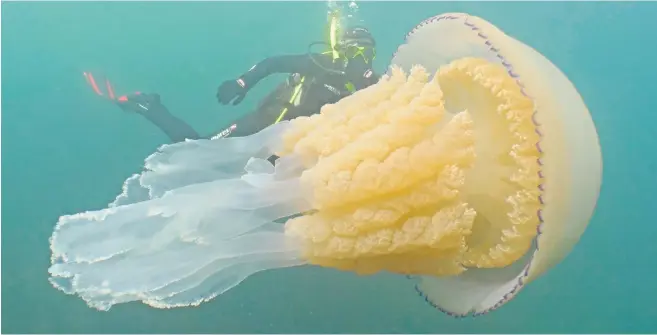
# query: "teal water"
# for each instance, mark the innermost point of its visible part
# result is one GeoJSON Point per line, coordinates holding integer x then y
{"type": "Point", "coordinates": [65, 150]}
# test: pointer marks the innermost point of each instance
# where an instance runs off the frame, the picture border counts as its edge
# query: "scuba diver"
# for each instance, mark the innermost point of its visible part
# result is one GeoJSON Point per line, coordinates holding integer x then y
{"type": "Point", "coordinates": [314, 80]}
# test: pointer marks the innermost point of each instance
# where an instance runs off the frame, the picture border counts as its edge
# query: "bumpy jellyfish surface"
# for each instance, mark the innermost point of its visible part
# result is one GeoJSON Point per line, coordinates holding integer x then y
{"type": "Point", "coordinates": [473, 167]}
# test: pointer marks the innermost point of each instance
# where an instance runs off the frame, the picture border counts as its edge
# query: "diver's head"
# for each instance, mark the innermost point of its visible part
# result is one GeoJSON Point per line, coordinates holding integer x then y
{"type": "Point", "coordinates": [357, 42]}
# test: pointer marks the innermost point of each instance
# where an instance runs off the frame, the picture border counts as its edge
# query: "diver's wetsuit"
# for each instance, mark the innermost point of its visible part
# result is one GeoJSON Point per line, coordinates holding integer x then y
{"type": "Point", "coordinates": [320, 86]}
{"type": "Point", "coordinates": [150, 106]}
{"type": "Point", "coordinates": [324, 82]}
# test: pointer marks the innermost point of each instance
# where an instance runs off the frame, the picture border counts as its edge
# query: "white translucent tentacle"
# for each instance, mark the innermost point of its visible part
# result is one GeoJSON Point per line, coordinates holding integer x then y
{"type": "Point", "coordinates": [197, 161]}
{"type": "Point", "coordinates": [191, 243]}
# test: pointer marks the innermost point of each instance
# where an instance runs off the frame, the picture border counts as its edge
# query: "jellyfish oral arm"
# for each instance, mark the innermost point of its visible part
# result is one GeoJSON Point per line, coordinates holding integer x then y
{"type": "Point", "coordinates": [191, 243]}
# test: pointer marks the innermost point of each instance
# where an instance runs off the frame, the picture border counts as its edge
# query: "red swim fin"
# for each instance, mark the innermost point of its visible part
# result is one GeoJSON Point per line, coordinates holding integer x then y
{"type": "Point", "coordinates": [110, 90]}
{"type": "Point", "coordinates": [92, 83]}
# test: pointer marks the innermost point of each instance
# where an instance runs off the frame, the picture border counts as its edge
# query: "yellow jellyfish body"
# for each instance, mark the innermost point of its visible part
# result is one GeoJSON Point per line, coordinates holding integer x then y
{"type": "Point", "coordinates": [472, 166]}
{"type": "Point", "coordinates": [478, 180]}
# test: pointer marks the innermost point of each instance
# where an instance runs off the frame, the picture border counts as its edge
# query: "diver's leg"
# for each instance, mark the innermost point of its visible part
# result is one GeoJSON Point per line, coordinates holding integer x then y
{"type": "Point", "coordinates": [251, 123]}
{"type": "Point", "coordinates": [254, 122]}
{"type": "Point", "coordinates": [175, 128]}
{"type": "Point", "coordinates": [150, 106]}
{"type": "Point", "coordinates": [244, 126]}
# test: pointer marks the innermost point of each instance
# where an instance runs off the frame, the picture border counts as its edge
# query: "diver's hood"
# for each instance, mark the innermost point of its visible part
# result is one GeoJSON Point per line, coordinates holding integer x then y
{"type": "Point", "coordinates": [357, 36]}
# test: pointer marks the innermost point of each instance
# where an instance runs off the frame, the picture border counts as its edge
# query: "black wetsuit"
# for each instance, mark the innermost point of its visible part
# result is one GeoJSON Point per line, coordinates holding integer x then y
{"type": "Point", "coordinates": [324, 81]}
{"type": "Point", "coordinates": [150, 106]}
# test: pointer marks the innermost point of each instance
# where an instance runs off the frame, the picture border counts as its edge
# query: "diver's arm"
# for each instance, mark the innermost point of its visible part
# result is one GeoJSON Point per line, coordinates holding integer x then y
{"type": "Point", "coordinates": [276, 64]}
{"type": "Point", "coordinates": [368, 78]}
{"type": "Point", "coordinates": [361, 75]}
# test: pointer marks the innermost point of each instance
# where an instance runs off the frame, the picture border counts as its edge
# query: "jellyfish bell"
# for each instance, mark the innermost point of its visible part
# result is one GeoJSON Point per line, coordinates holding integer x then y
{"type": "Point", "coordinates": [570, 163]}
{"type": "Point", "coordinates": [472, 166]}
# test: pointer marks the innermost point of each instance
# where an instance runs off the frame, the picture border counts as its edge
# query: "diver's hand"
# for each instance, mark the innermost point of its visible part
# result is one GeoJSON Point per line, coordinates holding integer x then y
{"type": "Point", "coordinates": [139, 102]}
{"type": "Point", "coordinates": [231, 90]}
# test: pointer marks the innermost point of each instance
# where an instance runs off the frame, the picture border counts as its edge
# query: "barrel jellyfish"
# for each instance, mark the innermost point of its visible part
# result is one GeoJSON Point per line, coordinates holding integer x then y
{"type": "Point", "coordinates": [472, 167]}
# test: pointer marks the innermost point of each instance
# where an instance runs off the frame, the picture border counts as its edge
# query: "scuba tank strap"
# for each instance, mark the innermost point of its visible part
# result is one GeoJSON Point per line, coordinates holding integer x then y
{"type": "Point", "coordinates": [298, 94]}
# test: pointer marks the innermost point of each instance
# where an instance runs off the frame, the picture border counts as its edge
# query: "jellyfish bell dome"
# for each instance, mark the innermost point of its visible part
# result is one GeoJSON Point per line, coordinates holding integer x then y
{"type": "Point", "coordinates": [569, 158]}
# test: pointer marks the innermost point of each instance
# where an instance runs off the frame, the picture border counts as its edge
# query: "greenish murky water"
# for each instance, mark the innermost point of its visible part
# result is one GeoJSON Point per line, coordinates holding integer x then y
{"type": "Point", "coordinates": [64, 150]}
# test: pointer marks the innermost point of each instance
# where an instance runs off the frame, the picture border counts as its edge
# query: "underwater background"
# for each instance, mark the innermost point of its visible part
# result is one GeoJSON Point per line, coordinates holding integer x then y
{"type": "Point", "coordinates": [66, 150]}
